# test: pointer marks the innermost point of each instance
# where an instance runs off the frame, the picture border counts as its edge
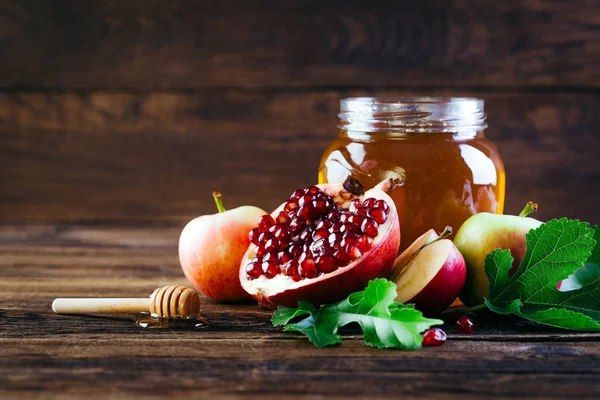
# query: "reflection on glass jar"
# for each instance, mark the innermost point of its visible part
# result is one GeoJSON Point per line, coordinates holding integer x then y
{"type": "Point", "coordinates": [451, 170]}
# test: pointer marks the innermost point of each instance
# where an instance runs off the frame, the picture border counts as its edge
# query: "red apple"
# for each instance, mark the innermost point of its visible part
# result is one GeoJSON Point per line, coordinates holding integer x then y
{"type": "Point", "coordinates": [432, 275]}
{"type": "Point", "coordinates": [211, 248]}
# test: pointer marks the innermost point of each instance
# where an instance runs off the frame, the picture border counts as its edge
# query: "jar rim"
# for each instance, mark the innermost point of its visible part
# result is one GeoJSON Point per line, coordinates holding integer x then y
{"type": "Point", "coordinates": [412, 114]}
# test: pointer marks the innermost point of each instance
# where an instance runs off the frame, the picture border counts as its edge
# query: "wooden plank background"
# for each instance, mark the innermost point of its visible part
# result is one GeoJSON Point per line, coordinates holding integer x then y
{"type": "Point", "coordinates": [134, 112]}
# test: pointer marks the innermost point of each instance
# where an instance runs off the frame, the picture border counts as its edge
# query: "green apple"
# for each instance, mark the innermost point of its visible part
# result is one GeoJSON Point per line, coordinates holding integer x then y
{"type": "Point", "coordinates": [484, 232]}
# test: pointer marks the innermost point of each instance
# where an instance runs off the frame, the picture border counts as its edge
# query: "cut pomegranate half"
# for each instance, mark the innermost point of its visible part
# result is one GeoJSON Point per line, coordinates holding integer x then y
{"type": "Point", "coordinates": [322, 244]}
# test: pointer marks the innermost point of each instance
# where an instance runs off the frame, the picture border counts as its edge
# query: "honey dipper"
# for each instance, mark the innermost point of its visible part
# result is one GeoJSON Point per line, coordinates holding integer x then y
{"type": "Point", "coordinates": [164, 302]}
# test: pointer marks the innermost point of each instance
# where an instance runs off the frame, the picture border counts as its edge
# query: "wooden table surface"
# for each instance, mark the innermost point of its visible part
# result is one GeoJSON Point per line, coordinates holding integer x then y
{"type": "Point", "coordinates": [45, 355]}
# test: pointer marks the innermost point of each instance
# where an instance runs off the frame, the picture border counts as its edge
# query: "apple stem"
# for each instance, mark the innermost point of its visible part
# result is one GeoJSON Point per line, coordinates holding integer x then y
{"type": "Point", "coordinates": [219, 201]}
{"type": "Point", "coordinates": [529, 208]}
{"type": "Point", "coordinates": [445, 233]}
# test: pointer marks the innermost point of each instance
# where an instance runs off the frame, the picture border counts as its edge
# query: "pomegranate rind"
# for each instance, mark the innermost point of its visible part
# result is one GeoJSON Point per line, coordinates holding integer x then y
{"type": "Point", "coordinates": [337, 285]}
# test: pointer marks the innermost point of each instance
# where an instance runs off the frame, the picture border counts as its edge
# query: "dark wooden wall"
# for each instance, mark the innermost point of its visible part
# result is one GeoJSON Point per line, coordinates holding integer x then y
{"type": "Point", "coordinates": [135, 111]}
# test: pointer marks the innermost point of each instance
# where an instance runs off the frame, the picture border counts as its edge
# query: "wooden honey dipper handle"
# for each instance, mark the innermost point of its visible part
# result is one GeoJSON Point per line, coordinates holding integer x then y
{"type": "Point", "coordinates": [164, 302]}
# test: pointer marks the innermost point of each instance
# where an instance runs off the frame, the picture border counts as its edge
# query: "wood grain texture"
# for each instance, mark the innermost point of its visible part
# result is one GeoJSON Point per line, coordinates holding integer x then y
{"type": "Point", "coordinates": [46, 355]}
{"type": "Point", "coordinates": [156, 158]}
{"type": "Point", "coordinates": [270, 43]}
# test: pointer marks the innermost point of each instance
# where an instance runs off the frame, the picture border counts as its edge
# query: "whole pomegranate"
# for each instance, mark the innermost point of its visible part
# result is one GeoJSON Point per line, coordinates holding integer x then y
{"type": "Point", "coordinates": [322, 244]}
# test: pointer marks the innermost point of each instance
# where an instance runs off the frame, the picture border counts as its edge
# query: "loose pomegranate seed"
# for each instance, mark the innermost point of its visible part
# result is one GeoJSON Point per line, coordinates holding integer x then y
{"type": "Point", "coordinates": [308, 269]}
{"type": "Point", "coordinates": [270, 269]}
{"type": "Point", "coordinates": [291, 206]}
{"type": "Point", "coordinates": [271, 245]}
{"type": "Point", "coordinates": [370, 228]}
{"type": "Point", "coordinates": [265, 222]}
{"type": "Point", "coordinates": [370, 202]}
{"type": "Point", "coordinates": [254, 269]}
{"type": "Point", "coordinates": [313, 190]}
{"type": "Point", "coordinates": [322, 233]}
{"type": "Point", "coordinates": [253, 236]}
{"type": "Point", "coordinates": [434, 337]}
{"type": "Point", "coordinates": [284, 257]}
{"type": "Point", "coordinates": [296, 225]}
{"type": "Point", "coordinates": [326, 264]}
{"type": "Point", "coordinates": [378, 215]}
{"type": "Point", "coordinates": [282, 218]}
{"type": "Point", "coordinates": [464, 324]}
{"type": "Point", "coordinates": [364, 243]}
{"type": "Point", "coordinates": [382, 205]}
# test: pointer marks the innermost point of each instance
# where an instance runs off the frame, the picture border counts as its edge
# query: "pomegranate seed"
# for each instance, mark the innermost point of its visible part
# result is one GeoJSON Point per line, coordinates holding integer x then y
{"type": "Point", "coordinates": [320, 234]}
{"type": "Point", "coordinates": [364, 211]}
{"type": "Point", "coordinates": [434, 337]}
{"type": "Point", "coordinates": [265, 222]}
{"type": "Point", "coordinates": [254, 270]}
{"type": "Point", "coordinates": [264, 237]}
{"type": "Point", "coordinates": [272, 245]}
{"type": "Point", "coordinates": [260, 251]}
{"type": "Point", "coordinates": [332, 216]}
{"type": "Point", "coordinates": [323, 224]}
{"type": "Point", "coordinates": [370, 228]}
{"type": "Point", "coordinates": [282, 234]}
{"type": "Point", "coordinates": [297, 194]}
{"type": "Point", "coordinates": [270, 257]}
{"type": "Point", "coordinates": [364, 243]}
{"type": "Point", "coordinates": [282, 218]}
{"type": "Point", "coordinates": [283, 257]}
{"type": "Point", "coordinates": [291, 206]}
{"type": "Point", "coordinates": [319, 247]}
{"type": "Point", "coordinates": [370, 202]}
{"type": "Point", "coordinates": [307, 198]}
{"type": "Point", "coordinates": [348, 238]}
{"type": "Point", "coordinates": [296, 225]}
{"type": "Point", "coordinates": [344, 216]}
{"type": "Point", "coordinates": [270, 269]}
{"type": "Point", "coordinates": [353, 251]}
{"type": "Point", "coordinates": [464, 324]}
{"type": "Point", "coordinates": [292, 271]}
{"type": "Point", "coordinates": [313, 190]}
{"type": "Point", "coordinates": [326, 264]}
{"type": "Point", "coordinates": [341, 258]}
{"type": "Point", "coordinates": [253, 236]}
{"type": "Point", "coordinates": [378, 215]}
{"type": "Point", "coordinates": [382, 205]}
{"type": "Point", "coordinates": [336, 227]}
{"type": "Point", "coordinates": [355, 205]}
{"type": "Point", "coordinates": [307, 269]}
{"type": "Point", "coordinates": [356, 219]}
{"type": "Point", "coordinates": [307, 211]}
{"type": "Point", "coordinates": [295, 250]}
{"type": "Point", "coordinates": [321, 207]}
{"type": "Point", "coordinates": [306, 233]}
{"type": "Point", "coordinates": [334, 237]}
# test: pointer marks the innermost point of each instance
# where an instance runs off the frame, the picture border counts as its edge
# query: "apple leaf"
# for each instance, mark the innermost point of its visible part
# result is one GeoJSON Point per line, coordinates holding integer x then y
{"type": "Point", "coordinates": [385, 323]}
{"type": "Point", "coordinates": [555, 250]}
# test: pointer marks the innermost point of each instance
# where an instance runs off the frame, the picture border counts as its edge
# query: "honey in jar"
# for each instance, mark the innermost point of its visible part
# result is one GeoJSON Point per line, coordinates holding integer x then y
{"type": "Point", "coordinates": [436, 145]}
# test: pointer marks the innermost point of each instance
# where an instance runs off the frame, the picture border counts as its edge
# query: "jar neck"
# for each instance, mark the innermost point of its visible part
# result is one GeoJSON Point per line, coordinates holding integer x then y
{"type": "Point", "coordinates": [412, 116]}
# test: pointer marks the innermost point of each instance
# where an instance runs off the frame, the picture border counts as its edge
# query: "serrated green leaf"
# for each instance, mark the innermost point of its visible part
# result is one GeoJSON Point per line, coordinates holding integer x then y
{"type": "Point", "coordinates": [384, 322]}
{"type": "Point", "coordinates": [561, 318]}
{"type": "Point", "coordinates": [283, 315]}
{"type": "Point", "coordinates": [555, 250]}
{"type": "Point", "coordinates": [590, 271]}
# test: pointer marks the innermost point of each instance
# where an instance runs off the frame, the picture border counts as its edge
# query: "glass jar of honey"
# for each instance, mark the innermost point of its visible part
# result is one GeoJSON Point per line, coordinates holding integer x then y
{"type": "Point", "coordinates": [437, 145]}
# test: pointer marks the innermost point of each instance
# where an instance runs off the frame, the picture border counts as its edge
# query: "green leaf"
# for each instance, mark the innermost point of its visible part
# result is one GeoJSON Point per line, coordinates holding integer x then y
{"type": "Point", "coordinates": [283, 315]}
{"type": "Point", "coordinates": [590, 271]}
{"type": "Point", "coordinates": [385, 323]}
{"type": "Point", "coordinates": [555, 250]}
